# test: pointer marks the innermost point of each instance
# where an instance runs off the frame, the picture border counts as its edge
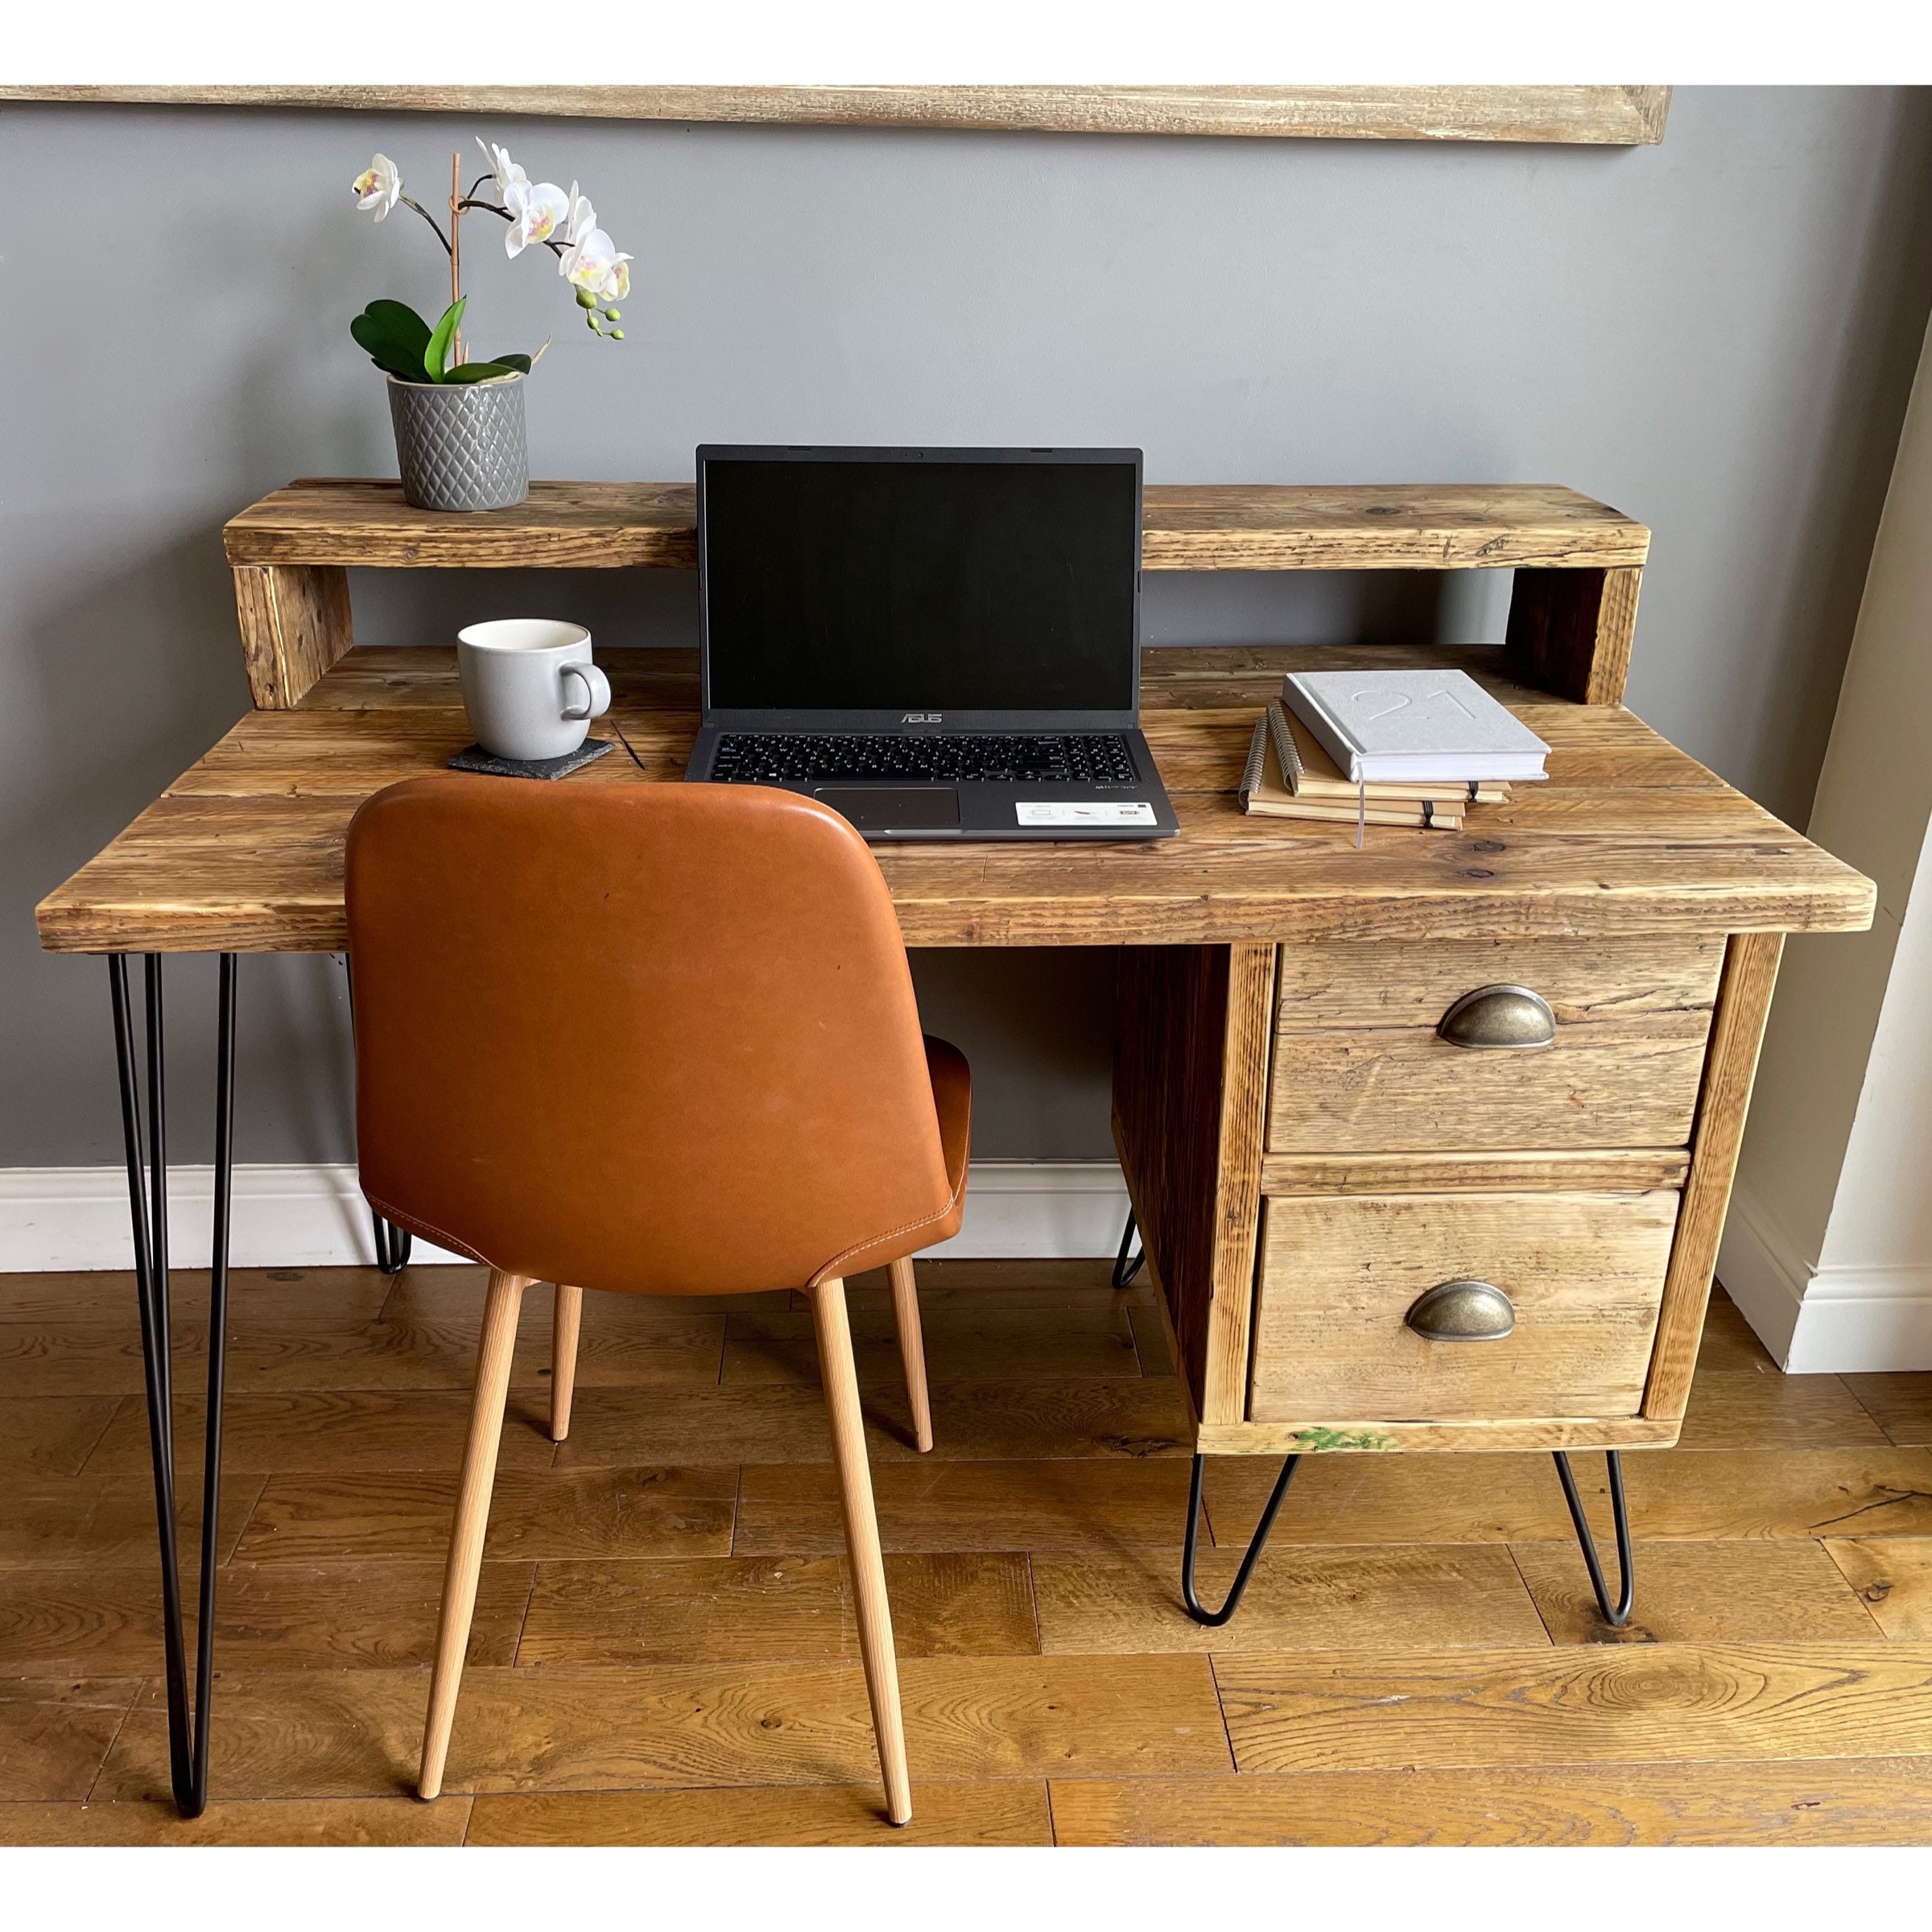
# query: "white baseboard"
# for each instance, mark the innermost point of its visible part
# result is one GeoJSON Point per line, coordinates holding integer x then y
{"type": "Point", "coordinates": [1823, 1321]}
{"type": "Point", "coordinates": [302, 1215]}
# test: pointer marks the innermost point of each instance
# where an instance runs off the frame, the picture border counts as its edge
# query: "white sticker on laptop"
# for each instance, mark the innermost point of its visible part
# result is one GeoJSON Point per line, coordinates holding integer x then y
{"type": "Point", "coordinates": [1089, 811]}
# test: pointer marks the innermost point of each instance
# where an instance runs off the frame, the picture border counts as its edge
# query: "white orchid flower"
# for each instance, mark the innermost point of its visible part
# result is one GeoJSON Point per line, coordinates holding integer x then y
{"type": "Point", "coordinates": [583, 219]}
{"type": "Point", "coordinates": [534, 213]}
{"type": "Point", "coordinates": [506, 171]}
{"type": "Point", "coordinates": [378, 185]}
{"type": "Point", "coordinates": [593, 264]}
{"type": "Point", "coordinates": [615, 286]}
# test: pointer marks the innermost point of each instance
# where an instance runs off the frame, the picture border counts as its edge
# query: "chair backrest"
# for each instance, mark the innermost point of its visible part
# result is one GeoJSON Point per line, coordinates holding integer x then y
{"type": "Point", "coordinates": [653, 1038]}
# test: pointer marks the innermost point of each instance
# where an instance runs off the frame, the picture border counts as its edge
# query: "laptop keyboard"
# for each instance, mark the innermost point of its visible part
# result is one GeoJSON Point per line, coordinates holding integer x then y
{"type": "Point", "coordinates": [1099, 757]}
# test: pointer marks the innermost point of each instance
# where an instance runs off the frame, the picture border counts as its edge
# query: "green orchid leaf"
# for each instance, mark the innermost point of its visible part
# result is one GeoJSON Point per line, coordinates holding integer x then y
{"type": "Point", "coordinates": [394, 336]}
{"type": "Point", "coordinates": [386, 352]}
{"type": "Point", "coordinates": [436, 356]}
{"type": "Point", "coordinates": [521, 363]}
{"type": "Point", "coordinates": [479, 372]}
{"type": "Point", "coordinates": [401, 322]}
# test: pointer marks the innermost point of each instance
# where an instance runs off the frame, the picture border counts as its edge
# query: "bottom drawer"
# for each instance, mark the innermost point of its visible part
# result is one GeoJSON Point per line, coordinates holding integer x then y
{"type": "Point", "coordinates": [1584, 1273]}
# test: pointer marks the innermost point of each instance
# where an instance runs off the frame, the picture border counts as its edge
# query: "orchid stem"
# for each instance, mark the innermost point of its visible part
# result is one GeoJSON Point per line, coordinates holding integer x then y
{"type": "Point", "coordinates": [410, 202]}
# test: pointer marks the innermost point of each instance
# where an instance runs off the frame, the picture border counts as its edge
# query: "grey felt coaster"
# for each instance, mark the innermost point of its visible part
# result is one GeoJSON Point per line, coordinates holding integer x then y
{"type": "Point", "coordinates": [476, 758]}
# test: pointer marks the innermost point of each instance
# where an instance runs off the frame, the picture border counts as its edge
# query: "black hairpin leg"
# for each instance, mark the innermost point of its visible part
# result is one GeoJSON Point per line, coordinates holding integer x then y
{"type": "Point", "coordinates": [147, 1198]}
{"type": "Point", "coordinates": [1618, 1615]}
{"type": "Point", "coordinates": [1214, 1619]}
{"type": "Point", "coordinates": [1123, 1270]}
{"type": "Point", "coordinates": [393, 1244]}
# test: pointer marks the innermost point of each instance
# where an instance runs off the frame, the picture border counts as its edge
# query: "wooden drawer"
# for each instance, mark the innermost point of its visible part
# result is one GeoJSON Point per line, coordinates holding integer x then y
{"type": "Point", "coordinates": [1358, 1063]}
{"type": "Point", "coordinates": [1339, 1275]}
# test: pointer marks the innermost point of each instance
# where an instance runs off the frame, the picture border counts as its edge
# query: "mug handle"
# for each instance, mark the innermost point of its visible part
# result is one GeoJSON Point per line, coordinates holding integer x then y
{"type": "Point", "coordinates": [596, 690]}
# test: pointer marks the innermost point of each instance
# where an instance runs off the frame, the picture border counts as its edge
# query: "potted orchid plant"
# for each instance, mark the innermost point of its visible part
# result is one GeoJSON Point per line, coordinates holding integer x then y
{"type": "Point", "coordinates": [459, 423]}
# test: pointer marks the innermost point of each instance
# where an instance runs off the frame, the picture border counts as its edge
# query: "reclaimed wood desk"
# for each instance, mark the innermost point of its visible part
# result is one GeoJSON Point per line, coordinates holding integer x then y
{"type": "Point", "coordinates": [1306, 1154]}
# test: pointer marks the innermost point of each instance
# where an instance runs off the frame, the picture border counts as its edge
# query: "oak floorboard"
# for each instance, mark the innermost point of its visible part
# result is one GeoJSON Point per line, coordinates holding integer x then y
{"type": "Point", "coordinates": [1503, 1498]}
{"type": "Point", "coordinates": [1098, 1417]}
{"type": "Point", "coordinates": [71, 1358]}
{"type": "Point", "coordinates": [1010, 1812]}
{"type": "Point", "coordinates": [329, 1821]}
{"type": "Point", "coordinates": [273, 1616]}
{"type": "Point", "coordinates": [90, 1522]}
{"type": "Point", "coordinates": [962, 1344]}
{"type": "Point", "coordinates": [329, 1432]}
{"type": "Point", "coordinates": [349, 1294]}
{"type": "Point", "coordinates": [1900, 1404]}
{"type": "Point", "coordinates": [51, 1435]}
{"type": "Point", "coordinates": [1298, 1598]}
{"type": "Point", "coordinates": [1718, 1494]}
{"type": "Point", "coordinates": [1851, 1802]}
{"type": "Point", "coordinates": [1730, 1410]}
{"type": "Point", "coordinates": [357, 1733]}
{"type": "Point", "coordinates": [1150, 1342]}
{"type": "Point", "coordinates": [55, 1733]}
{"type": "Point", "coordinates": [591, 1512]}
{"type": "Point", "coordinates": [1752, 1591]}
{"type": "Point", "coordinates": [1892, 1576]}
{"type": "Point", "coordinates": [1597, 1704]}
{"type": "Point", "coordinates": [794, 1509]}
{"type": "Point", "coordinates": [1730, 1343]}
{"type": "Point", "coordinates": [772, 1609]}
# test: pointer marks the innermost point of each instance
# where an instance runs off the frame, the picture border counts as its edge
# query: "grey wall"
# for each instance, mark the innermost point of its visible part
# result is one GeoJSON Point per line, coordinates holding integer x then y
{"type": "Point", "coordinates": [1716, 335]}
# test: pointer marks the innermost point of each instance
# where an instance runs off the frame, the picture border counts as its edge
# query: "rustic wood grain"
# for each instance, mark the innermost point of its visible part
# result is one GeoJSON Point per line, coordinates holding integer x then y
{"type": "Point", "coordinates": [570, 1727]}
{"type": "Point", "coordinates": [1730, 1344]}
{"type": "Point", "coordinates": [1359, 1065]}
{"type": "Point", "coordinates": [51, 1435]}
{"type": "Point", "coordinates": [1741, 1592]}
{"type": "Point", "coordinates": [55, 1732]}
{"type": "Point", "coordinates": [88, 1522]}
{"type": "Point", "coordinates": [1011, 1812]}
{"type": "Point", "coordinates": [1849, 1801]}
{"type": "Point", "coordinates": [1604, 1704]}
{"type": "Point", "coordinates": [1774, 1493]}
{"type": "Point", "coordinates": [1892, 1576]}
{"type": "Point", "coordinates": [339, 1821]}
{"type": "Point", "coordinates": [1619, 116]}
{"type": "Point", "coordinates": [276, 1616]}
{"type": "Point", "coordinates": [295, 623]}
{"type": "Point", "coordinates": [1570, 631]}
{"type": "Point", "coordinates": [1740, 1411]}
{"type": "Point", "coordinates": [972, 1421]}
{"type": "Point", "coordinates": [1339, 1275]}
{"type": "Point", "coordinates": [1501, 1170]}
{"type": "Point", "coordinates": [245, 850]}
{"type": "Point", "coordinates": [1900, 1404]}
{"type": "Point", "coordinates": [772, 1609]}
{"type": "Point", "coordinates": [1299, 1599]}
{"type": "Point", "coordinates": [1354, 1435]}
{"type": "Point", "coordinates": [793, 1508]}
{"type": "Point", "coordinates": [1743, 1000]}
{"type": "Point", "coordinates": [553, 1513]}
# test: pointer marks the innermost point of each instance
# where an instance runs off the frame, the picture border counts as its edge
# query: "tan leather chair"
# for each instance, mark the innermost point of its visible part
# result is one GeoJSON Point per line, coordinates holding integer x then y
{"type": "Point", "coordinates": [650, 1040]}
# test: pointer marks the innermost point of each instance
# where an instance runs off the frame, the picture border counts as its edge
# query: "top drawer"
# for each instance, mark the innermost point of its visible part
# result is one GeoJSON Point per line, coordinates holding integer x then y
{"type": "Point", "coordinates": [1359, 1066]}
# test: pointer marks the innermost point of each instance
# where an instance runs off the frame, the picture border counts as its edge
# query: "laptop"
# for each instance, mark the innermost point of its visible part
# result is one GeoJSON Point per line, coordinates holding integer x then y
{"type": "Point", "coordinates": [940, 644]}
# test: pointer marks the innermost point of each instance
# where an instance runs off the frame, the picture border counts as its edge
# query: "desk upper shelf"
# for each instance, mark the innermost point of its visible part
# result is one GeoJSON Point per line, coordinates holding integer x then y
{"type": "Point", "coordinates": [363, 521]}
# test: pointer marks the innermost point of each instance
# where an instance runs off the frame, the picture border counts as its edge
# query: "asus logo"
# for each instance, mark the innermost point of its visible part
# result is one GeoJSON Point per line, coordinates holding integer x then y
{"type": "Point", "coordinates": [923, 718]}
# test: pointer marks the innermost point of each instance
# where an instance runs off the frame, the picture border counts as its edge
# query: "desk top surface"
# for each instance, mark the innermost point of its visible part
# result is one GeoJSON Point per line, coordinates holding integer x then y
{"type": "Point", "coordinates": [364, 520]}
{"type": "Point", "coordinates": [244, 851]}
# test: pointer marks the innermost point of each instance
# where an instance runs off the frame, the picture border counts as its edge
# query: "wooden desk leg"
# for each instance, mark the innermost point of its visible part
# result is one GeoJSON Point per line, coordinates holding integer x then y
{"type": "Point", "coordinates": [147, 1198]}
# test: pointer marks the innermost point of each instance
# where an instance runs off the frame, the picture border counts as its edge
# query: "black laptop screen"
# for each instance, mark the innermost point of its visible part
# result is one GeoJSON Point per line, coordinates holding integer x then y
{"type": "Point", "coordinates": [887, 584]}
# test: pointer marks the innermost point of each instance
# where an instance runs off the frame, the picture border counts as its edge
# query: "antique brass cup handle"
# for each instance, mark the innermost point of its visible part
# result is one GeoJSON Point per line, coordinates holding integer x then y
{"type": "Point", "coordinates": [1506, 1018]}
{"type": "Point", "coordinates": [1462, 1310]}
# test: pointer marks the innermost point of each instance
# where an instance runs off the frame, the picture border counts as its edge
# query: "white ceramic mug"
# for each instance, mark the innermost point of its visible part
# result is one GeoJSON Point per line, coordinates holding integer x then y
{"type": "Point", "coordinates": [530, 687]}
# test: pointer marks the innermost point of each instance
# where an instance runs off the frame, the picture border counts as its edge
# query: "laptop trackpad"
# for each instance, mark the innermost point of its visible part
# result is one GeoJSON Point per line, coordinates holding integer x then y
{"type": "Point", "coordinates": [894, 808]}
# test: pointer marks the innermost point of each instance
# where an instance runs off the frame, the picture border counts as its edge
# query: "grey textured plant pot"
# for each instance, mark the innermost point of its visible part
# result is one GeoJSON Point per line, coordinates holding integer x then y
{"type": "Point", "coordinates": [461, 444]}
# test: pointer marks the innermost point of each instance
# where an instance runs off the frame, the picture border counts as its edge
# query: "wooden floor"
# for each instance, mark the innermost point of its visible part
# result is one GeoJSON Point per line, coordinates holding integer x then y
{"type": "Point", "coordinates": [665, 1650]}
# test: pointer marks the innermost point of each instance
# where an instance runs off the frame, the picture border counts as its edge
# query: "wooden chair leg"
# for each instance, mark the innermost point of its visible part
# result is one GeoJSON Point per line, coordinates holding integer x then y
{"type": "Point", "coordinates": [862, 1541]}
{"type": "Point", "coordinates": [912, 1349]}
{"type": "Point", "coordinates": [565, 1322]}
{"type": "Point", "coordinates": [493, 1357]}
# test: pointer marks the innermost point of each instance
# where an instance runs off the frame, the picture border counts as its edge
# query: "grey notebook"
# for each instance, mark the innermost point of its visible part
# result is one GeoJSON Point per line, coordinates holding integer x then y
{"type": "Point", "coordinates": [1435, 727]}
